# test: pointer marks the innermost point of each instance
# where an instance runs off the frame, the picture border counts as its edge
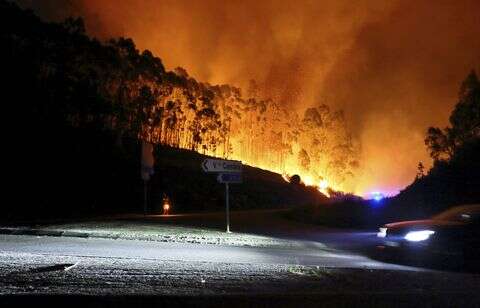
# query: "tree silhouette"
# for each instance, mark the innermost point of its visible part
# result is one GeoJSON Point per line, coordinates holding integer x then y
{"type": "Point", "coordinates": [464, 121]}
{"type": "Point", "coordinates": [420, 171]}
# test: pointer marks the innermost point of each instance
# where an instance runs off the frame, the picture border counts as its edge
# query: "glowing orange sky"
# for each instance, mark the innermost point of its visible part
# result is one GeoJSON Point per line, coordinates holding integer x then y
{"type": "Point", "coordinates": [393, 66]}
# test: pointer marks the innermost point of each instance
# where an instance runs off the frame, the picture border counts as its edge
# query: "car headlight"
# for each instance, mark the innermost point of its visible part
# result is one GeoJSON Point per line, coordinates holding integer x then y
{"type": "Point", "coordinates": [417, 236]}
{"type": "Point", "coordinates": [382, 232]}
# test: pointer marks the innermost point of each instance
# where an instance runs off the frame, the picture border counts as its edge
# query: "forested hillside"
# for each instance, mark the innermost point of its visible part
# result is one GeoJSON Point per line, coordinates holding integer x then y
{"type": "Point", "coordinates": [81, 108]}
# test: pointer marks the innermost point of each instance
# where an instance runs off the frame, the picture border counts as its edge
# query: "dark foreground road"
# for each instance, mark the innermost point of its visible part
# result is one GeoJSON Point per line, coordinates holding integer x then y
{"type": "Point", "coordinates": [308, 267]}
{"type": "Point", "coordinates": [113, 272]}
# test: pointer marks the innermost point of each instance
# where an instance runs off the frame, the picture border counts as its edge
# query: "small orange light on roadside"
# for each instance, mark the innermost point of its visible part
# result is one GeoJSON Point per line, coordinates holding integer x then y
{"type": "Point", "coordinates": [166, 208]}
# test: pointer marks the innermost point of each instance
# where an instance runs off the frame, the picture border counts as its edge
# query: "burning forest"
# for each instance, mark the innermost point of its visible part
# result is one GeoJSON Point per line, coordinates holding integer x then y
{"type": "Point", "coordinates": [341, 95]}
{"type": "Point", "coordinates": [174, 109]}
{"type": "Point", "coordinates": [220, 121]}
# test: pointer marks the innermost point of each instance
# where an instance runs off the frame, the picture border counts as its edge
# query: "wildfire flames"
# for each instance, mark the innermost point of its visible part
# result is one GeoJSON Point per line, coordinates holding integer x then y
{"type": "Point", "coordinates": [322, 186]}
{"type": "Point", "coordinates": [219, 121]}
{"type": "Point", "coordinates": [376, 60]}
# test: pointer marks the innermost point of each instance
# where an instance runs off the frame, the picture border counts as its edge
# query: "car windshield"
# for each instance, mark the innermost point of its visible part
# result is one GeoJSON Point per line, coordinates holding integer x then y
{"type": "Point", "coordinates": [460, 213]}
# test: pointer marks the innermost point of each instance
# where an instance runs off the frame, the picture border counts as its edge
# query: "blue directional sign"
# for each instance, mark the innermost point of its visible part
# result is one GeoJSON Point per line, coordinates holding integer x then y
{"type": "Point", "coordinates": [229, 178]}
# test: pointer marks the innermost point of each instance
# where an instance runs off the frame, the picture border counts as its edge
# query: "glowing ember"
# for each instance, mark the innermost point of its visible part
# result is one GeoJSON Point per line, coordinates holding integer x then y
{"type": "Point", "coordinates": [308, 181]}
{"type": "Point", "coordinates": [322, 185]}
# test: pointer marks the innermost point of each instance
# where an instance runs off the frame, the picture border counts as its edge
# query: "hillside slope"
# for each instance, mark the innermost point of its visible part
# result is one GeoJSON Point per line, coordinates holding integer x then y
{"type": "Point", "coordinates": [179, 175]}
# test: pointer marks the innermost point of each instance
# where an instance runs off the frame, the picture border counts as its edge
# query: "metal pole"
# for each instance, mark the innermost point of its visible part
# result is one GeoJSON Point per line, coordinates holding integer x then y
{"type": "Point", "coordinates": [145, 188]}
{"type": "Point", "coordinates": [228, 208]}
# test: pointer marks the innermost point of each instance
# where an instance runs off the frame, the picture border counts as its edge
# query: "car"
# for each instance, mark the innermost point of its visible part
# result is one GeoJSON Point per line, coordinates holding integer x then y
{"type": "Point", "coordinates": [454, 232]}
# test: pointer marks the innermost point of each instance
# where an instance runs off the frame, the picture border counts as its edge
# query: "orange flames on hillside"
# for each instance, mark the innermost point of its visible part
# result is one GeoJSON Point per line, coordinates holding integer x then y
{"type": "Point", "coordinates": [263, 134]}
{"type": "Point", "coordinates": [358, 58]}
{"type": "Point", "coordinates": [322, 186]}
{"type": "Point", "coordinates": [287, 171]}
{"type": "Point", "coordinates": [260, 133]}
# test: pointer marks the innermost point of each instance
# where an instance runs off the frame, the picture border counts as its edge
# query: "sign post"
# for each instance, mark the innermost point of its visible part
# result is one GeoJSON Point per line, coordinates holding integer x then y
{"type": "Point", "coordinates": [146, 171]}
{"type": "Point", "coordinates": [227, 212]}
{"type": "Point", "coordinates": [229, 171]}
{"type": "Point", "coordinates": [145, 197]}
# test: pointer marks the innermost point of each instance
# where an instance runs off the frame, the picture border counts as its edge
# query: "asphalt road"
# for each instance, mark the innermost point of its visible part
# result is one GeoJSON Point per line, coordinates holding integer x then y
{"type": "Point", "coordinates": [305, 253]}
{"type": "Point", "coordinates": [324, 265]}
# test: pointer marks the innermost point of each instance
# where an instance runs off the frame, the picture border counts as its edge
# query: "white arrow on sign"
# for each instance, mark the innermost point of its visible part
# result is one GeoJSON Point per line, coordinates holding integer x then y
{"type": "Point", "coordinates": [221, 165]}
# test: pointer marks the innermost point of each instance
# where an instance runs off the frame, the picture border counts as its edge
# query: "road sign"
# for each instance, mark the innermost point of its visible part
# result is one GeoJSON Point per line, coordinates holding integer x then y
{"type": "Point", "coordinates": [221, 165]}
{"type": "Point", "coordinates": [229, 178]}
{"type": "Point", "coordinates": [230, 171]}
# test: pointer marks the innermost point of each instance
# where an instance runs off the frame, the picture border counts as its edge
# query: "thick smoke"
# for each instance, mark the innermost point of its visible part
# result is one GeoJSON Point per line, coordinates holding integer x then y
{"type": "Point", "coordinates": [393, 66]}
{"type": "Point", "coordinates": [400, 76]}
